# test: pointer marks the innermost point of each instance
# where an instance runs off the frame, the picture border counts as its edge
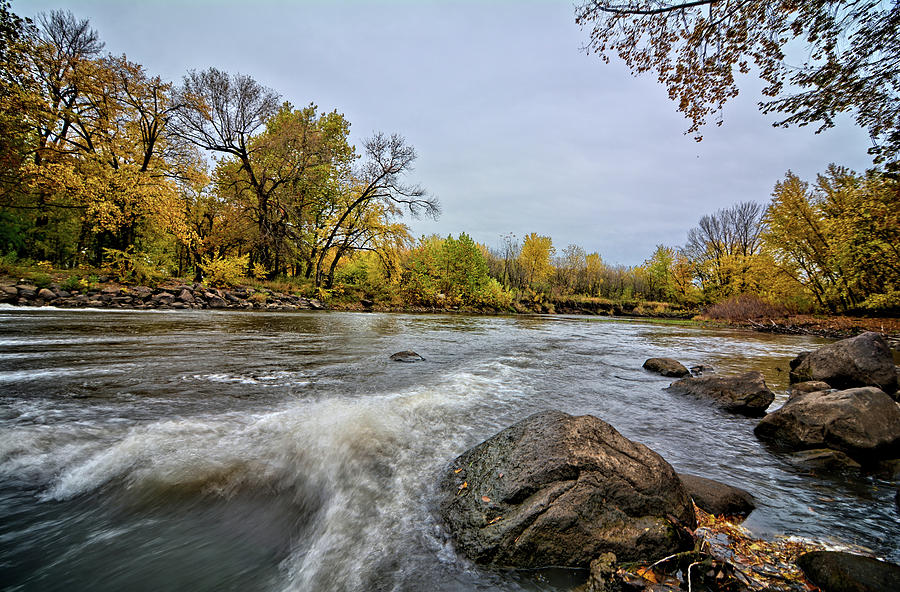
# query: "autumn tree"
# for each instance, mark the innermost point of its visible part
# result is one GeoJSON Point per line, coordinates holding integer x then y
{"type": "Point", "coordinates": [818, 59]}
{"type": "Point", "coordinates": [723, 247]}
{"type": "Point", "coordinates": [221, 113]}
{"type": "Point", "coordinates": [94, 173]}
{"type": "Point", "coordinates": [380, 178]}
{"type": "Point", "coordinates": [839, 238]}
{"type": "Point", "coordinates": [535, 258]}
{"type": "Point", "coordinates": [659, 270]}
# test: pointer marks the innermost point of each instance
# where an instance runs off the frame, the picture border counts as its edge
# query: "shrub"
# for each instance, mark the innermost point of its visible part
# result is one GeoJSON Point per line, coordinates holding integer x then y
{"type": "Point", "coordinates": [71, 284]}
{"type": "Point", "coordinates": [223, 272]}
{"type": "Point", "coordinates": [41, 280]}
{"type": "Point", "coordinates": [128, 266]}
{"type": "Point", "coordinates": [742, 307]}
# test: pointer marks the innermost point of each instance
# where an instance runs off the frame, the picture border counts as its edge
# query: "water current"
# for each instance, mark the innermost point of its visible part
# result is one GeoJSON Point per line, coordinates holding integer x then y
{"type": "Point", "coordinates": [201, 450]}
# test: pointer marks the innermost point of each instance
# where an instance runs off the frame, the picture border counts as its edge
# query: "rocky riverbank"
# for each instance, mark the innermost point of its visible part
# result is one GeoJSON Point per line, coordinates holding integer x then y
{"type": "Point", "coordinates": [174, 296]}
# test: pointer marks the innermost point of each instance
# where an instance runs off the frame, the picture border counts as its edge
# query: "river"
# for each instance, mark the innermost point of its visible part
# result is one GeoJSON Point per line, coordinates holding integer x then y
{"type": "Point", "coordinates": [203, 450]}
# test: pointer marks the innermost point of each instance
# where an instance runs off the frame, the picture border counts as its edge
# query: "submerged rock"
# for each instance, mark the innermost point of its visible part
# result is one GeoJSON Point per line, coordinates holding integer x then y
{"type": "Point", "coordinates": [560, 490]}
{"type": "Point", "coordinates": [746, 394]}
{"type": "Point", "coordinates": [407, 356]}
{"type": "Point", "coordinates": [718, 498]}
{"type": "Point", "coordinates": [864, 360]}
{"type": "Point", "coordinates": [826, 459]}
{"type": "Point", "coordinates": [666, 367]}
{"type": "Point", "coordinates": [836, 571]}
{"type": "Point", "coordinates": [862, 422]}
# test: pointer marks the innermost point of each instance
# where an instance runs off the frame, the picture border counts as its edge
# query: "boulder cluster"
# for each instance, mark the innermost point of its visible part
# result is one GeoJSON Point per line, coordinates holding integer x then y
{"type": "Point", "coordinates": [182, 296]}
{"type": "Point", "coordinates": [560, 490]}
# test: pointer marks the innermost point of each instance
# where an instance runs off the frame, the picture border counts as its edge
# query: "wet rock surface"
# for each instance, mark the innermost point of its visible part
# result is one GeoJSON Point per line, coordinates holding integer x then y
{"type": "Point", "coordinates": [836, 571]}
{"type": "Point", "coordinates": [861, 422]}
{"type": "Point", "coordinates": [864, 360]}
{"type": "Point", "coordinates": [718, 498]}
{"type": "Point", "coordinates": [408, 356]}
{"type": "Point", "coordinates": [666, 367]}
{"type": "Point", "coordinates": [746, 393]}
{"type": "Point", "coordinates": [560, 490]}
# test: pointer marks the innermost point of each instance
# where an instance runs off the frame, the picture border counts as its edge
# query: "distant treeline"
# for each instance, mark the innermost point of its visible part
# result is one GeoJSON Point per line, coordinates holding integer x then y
{"type": "Point", "coordinates": [105, 165]}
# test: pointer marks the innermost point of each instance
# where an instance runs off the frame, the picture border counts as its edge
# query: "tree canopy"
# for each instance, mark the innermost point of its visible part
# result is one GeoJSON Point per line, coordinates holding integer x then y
{"type": "Point", "coordinates": [818, 58]}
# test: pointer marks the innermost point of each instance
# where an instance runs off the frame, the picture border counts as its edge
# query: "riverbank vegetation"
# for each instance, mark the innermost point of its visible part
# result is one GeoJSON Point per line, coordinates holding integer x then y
{"type": "Point", "coordinates": [109, 172]}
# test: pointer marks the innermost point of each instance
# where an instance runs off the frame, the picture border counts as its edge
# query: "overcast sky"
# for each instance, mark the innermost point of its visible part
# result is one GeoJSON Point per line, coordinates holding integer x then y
{"type": "Point", "coordinates": [517, 129]}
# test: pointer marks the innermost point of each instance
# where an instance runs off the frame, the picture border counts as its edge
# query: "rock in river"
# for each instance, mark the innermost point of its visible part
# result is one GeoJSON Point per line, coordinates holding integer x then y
{"type": "Point", "coordinates": [862, 422]}
{"type": "Point", "coordinates": [718, 498]}
{"type": "Point", "coordinates": [666, 367]}
{"type": "Point", "coordinates": [407, 356]}
{"type": "Point", "coordinates": [560, 490]}
{"type": "Point", "coordinates": [746, 393]}
{"type": "Point", "coordinates": [864, 360]}
{"type": "Point", "coordinates": [835, 571]}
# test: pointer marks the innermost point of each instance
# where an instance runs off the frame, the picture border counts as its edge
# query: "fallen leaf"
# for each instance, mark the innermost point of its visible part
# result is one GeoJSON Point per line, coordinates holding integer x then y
{"type": "Point", "coordinates": [458, 470]}
{"type": "Point", "coordinates": [485, 499]}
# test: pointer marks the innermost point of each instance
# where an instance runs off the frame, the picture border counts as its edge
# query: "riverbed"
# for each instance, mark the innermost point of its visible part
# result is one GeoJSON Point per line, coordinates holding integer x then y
{"type": "Point", "coordinates": [220, 450]}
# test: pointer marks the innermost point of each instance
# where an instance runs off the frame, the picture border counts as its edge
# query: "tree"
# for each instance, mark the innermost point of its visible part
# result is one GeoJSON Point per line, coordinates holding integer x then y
{"type": "Point", "coordinates": [698, 47]}
{"type": "Point", "coordinates": [659, 273]}
{"type": "Point", "coordinates": [222, 113]}
{"type": "Point", "coordinates": [535, 259]}
{"type": "Point", "coordinates": [840, 239]}
{"type": "Point", "coordinates": [722, 247]}
{"type": "Point", "coordinates": [380, 179]}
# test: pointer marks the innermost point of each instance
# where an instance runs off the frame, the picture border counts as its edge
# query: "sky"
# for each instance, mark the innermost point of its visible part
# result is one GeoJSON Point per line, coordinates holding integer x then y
{"type": "Point", "coordinates": [517, 129]}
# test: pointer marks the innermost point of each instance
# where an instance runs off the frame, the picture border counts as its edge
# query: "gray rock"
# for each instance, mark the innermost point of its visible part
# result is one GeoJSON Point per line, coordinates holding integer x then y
{"type": "Point", "coordinates": [700, 369]}
{"type": "Point", "coordinates": [8, 294]}
{"type": "Point", "coordinates": [46, 295]}
{"type": "Point", "coordinates": [26, 291]}
{"type": "Point", "coordinates": [746, 393]}
{"type": "Point", "coordinates": [163, 298]}
{"type": "Point", "coordinates": [810, 386]}
{"type": "Point", "coordinates": [864, 360]}
{"type": "Point", "coordinates": [836, 571]}
{"type": "Point", "coordinates": [826, 459]}
{"type": "Point", "coordinates": [862, 422]}
{"type": "Point", "coordinates": [407, 356]}
{"type": "Point", "coordinates": [185, 296]}
{"type": "Point", "coordinates": [559, 490]}
{"type": "Point", "coordinates": [718, 498]}
{"type": "Point", "coordinates": [666, 367]}
{"type": "Point", "coordinates": [216, 302]}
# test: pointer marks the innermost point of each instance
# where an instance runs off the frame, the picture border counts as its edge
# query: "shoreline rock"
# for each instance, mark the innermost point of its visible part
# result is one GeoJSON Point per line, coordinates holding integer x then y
{"type": "Point", "coordinates": [179, 297]}
{"type": "Point", "coordinates": [559, 490]}
{"type": "Point", "coordinates": [837, 571]}
{"type": "Point", "coordinates": [716, 498]}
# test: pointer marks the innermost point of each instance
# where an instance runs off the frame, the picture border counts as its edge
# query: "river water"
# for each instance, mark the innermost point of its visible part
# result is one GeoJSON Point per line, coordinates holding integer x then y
{"type": "Point", "coordinates": [201, 450]}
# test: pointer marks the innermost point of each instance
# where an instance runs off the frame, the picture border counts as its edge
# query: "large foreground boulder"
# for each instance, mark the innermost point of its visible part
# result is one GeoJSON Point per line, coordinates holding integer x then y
{"type": "Point", "coordinates": [667, 367]}
{"type": "Point", "coordinates": [863, 422]}
{"type": "Point", "coordinates": [559, 490]}
{"type": "Point", "coordinates": [864, 360]}
{"type": "Point", "coordinates": [718, 498]}
{"type": "Point", "coordinates": [835, 571]}
{"type": "Point", "coordinates": [746, 393]}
